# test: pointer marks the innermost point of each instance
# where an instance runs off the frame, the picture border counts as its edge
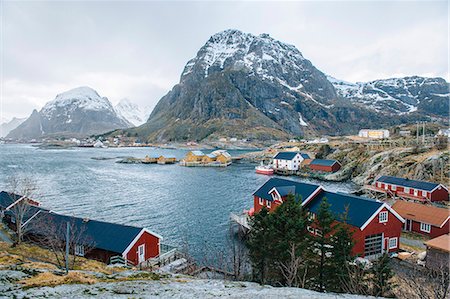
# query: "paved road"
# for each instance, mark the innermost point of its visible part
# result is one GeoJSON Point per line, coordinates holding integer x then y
{"type": "Point", "coordinates": [412, 242]}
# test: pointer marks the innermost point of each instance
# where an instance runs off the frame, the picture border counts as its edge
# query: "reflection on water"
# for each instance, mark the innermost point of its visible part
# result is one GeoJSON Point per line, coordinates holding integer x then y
{"type": "Point", "coordinates": [180, 203]}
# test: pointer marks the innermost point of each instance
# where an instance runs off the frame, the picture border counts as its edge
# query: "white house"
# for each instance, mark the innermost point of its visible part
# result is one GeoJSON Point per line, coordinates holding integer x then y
{"type": "Point", "coordinates": [289, 160]}
{"type": "Point", "coordinates": [376, 134]}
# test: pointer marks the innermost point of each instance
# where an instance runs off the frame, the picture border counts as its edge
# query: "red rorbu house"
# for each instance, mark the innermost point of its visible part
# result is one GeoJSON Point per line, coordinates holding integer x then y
{"type": "Point", "coordinates": [411, 189]}
{"type": "Point", "coordinates": [423, 219]}
{"type": "Point", "coordinates": [96, 240]}
{"type": "Point", "coordinates": [376, 226]}
{"type": "Point", "coordinates": [324, 165]}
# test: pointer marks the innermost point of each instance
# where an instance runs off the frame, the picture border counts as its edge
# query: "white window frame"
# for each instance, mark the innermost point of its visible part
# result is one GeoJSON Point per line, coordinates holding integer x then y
{"type": "Point", "coordinates": [318, 232]}
{"type": "Point", "coordinates": [79, 250]}
{"type": "Point", "coordinates": [425, 227]}
{"type": "Point", "coordinates": [269, 204]}
{"type": "Point", "coordinates": [383, 217]}
{"type": "Point", "coordinates": [394, 187]}
{"type": "Point", "coordinates": [393, 243]}
{"type": "Point", "coordinates": [424, 193]}
{"type": "Point", "coordinates": [406, 190]}
{"type": "Point", "coordinates": [310, 229]}
{"type": "Point", "coordinates": [386, 186]}
{"type": "Point", "coordinates": [261, 202]}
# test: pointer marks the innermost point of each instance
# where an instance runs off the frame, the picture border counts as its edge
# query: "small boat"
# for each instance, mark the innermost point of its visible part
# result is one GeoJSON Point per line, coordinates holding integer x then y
{"type": "Point", "coordinates": [264, 169]}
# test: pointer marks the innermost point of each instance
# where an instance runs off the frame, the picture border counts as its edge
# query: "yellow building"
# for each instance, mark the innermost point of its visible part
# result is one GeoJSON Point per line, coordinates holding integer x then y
{"type": "Point", "coordinates": [209, 158]}
{"type": "Point", "coordinates": [222, 156]}
{"type": "Point", "coordinates": [166, 160]}
{"type": "Point", "coordinates": [194, 156]}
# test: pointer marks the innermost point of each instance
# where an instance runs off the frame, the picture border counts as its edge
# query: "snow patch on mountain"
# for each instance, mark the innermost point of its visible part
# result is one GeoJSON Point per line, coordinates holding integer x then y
{"type": "Point", "coordinates": [393, 95]}
{"type": "Point", "coordinates": [83, 97]}
{"type": "Point", "coordinates": [239, 49]}
{"type": "Point", "coordinates": [131, 112]}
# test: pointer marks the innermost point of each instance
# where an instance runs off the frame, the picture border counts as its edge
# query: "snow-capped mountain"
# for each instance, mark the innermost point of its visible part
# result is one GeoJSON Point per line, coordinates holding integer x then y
{"type": "Point", "coordinates": [80, 111]}
{"type": "Point", "coordinates": [131, 112]}
{"type": "Point", "coordinates": [254, 87]}
{"type": "Point", "coordinates": [8, 126]}
{"type": "Point", "coordinates": [398, 95]}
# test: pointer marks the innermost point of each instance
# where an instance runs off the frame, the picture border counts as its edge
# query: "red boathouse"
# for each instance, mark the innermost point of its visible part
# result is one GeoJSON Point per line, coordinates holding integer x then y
{"type": "Point", "coordinates": [96, 240]}
{"type": "Point", "coordinates": [423, 219]}
{"type": "Point", "coordinates": [411, 189]}
{"type": "Point", "coordinates": [376, 226]}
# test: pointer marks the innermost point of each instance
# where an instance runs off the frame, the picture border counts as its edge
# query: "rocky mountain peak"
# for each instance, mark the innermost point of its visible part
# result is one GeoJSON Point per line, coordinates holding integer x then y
{"type": "Point", "coordinates": [78, 112]}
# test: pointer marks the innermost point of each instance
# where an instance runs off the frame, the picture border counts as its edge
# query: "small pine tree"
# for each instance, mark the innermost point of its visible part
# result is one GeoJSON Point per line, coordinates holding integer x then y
{"type": "Point", "coordinates": [324, 221]}
{"type": "Point", "coordinates": [259, 244]}
{"type": "Point", "coordinates": [381, 274]}
{"type": "Point", "coordinates": [342, 242]}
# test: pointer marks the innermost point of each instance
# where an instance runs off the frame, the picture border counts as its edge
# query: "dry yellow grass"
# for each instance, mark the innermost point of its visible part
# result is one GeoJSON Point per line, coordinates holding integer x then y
{"type": "Point", "coordinates": [35, 257]}
{"type": "Point", "coordinates": [7, 259]}
{"type": "Point", "coordinates": [50, 279]}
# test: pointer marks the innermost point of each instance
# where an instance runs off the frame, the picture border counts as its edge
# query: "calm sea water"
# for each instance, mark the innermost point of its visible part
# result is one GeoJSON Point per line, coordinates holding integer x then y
{"type": "Point", "coordinates": [180, 203]}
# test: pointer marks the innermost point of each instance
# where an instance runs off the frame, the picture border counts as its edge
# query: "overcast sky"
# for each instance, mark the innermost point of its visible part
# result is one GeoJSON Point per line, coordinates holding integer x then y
{"type": "Point", "coordinates": [137, 50]}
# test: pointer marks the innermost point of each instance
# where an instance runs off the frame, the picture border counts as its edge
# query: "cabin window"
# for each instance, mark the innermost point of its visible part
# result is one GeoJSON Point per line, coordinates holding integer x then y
{"type": "Point", "coordinates": [269, 204]}
{"type": "Point", "coordinates": [424, 193]}
{"type": "Point", "coordinates": [311, 216]}
{"type": "Point", "coordinates": [383, 217]}
{"type": "Point", "coordinates": [79, 250]}
{"type": "Point", "coordinates": [425, 227]}
{"type": "Point", "coordinates": [393, 243]}
{"type": "Point", "coordinates": [386, 186]}
{"type": "Point", "coordinates": [318, 232]}
{"type": "Point", "coordinates": [406, 190]}
{"type": "Point", "coordinates": [394, 188]}
{"type": "Point", "coordinates": [261, 202]}
{"type": "Point", "coordinates": [310, 229]}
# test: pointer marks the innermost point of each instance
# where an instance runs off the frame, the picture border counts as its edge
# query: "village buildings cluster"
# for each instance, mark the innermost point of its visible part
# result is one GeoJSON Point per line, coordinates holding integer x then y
{"type": "Point", "coordinates": [291, 162]}
{"type": "Point", "coordinates": [376, 225]}
{"type": "Point", "coordinates": [218, 158]}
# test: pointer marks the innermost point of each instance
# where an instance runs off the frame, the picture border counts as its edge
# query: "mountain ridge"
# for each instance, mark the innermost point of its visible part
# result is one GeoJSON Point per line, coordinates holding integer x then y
{"type": "Point", "coordinates": [77, 112]}
{"type": "Point", "coordinates": [255, 87]}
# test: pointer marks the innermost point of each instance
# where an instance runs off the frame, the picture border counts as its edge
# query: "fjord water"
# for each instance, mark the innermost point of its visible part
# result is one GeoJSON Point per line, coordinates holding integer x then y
{"type": "Point", "coordinates": [183, 204]}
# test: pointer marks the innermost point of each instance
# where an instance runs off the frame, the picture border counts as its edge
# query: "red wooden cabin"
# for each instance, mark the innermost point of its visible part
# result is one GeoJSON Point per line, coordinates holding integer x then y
{"type": "Point", "coordinates": [376, 226]}
{"type": "Point", "coordinates": [411, 189]}
{"type": "Point", "coordinates": [423, 219]}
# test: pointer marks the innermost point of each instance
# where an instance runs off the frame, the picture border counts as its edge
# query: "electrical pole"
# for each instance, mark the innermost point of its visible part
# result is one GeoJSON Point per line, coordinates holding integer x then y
{"type": "Point", "coordinates": [423, 132]}
{"type": "Point", "coordinates": [417, 133]}
{"type": "Point", "coordinates": [67, 247]}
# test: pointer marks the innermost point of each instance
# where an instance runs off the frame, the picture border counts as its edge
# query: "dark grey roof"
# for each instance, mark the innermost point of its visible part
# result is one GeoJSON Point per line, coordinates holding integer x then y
{"type": "Point", "coordinates": [285, 155]}
{"type": "Point", "coordinates": [103, 235]}
{"type": "Point", "coordinates": [427, 186]}
{"type": "Point", "coordinates": [359, 209]}
{"type": "Point", "coordinates": [303, 190]}
{"type": "Point", "coordinates": [285, 190]}
{"type": "Point", "coordinates": [323, 162]}
{"type": "Point", "coordinates": [305, 156]}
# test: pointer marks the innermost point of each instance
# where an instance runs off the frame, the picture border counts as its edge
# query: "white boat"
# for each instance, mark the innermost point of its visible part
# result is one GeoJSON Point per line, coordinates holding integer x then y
{"type": "Point", "coordinates": [264, 169]}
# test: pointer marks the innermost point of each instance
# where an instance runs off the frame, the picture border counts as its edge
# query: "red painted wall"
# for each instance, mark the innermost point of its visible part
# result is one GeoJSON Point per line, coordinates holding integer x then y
{"type": "Point", "coordinates": [435, 231]}
{"type": "Point", "coordinates": [258, 207]}
{"type": "Point", "coordinates": [335, 167]}
{"type": "Point", "coordinates": [151, 247]}
{"type": "Point", "coordinates": [392, 228]}
{"type": "Point", "coordinates": [437, 195]}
